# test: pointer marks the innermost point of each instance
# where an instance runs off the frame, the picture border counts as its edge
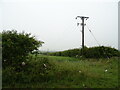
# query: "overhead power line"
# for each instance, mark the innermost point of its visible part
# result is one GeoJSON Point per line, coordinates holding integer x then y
{"type": "Point", "coordinates": [93, 35]}
{"type": "Point", "coordinates": [97, 41]}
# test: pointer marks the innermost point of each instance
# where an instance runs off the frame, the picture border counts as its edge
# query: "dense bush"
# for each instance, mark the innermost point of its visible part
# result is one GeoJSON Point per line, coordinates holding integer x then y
{"type": "Point", "coordinates": [92, 52]}
{"type": "Point", "coordinates": [17, 46]}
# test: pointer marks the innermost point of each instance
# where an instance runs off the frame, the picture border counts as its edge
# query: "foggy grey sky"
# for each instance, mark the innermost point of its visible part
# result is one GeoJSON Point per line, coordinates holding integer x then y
{"type": "Point", "coordinates": [54, 21]}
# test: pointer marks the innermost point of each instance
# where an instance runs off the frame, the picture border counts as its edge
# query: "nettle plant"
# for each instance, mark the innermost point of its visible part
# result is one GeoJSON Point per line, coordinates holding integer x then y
{"type": "Point", "coordinates": [17, 46]}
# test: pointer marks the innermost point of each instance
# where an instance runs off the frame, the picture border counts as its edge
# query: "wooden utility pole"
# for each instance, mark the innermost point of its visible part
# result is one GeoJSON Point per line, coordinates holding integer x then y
{"type": "Point", "coordinates": [82, 18]}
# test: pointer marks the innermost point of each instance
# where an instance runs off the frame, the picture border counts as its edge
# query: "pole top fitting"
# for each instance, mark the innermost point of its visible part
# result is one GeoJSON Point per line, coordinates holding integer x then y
{"type": "Point", "coordinates": [82, 17]}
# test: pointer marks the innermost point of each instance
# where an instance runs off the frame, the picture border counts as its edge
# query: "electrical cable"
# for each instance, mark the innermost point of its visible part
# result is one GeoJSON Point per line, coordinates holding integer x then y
{"type": "Point", "coordinates": [93, 35]}
{"type": "Point", "coordinates": [96, 41]}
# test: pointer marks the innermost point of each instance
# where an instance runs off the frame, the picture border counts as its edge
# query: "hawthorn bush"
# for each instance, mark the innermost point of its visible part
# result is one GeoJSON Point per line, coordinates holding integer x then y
{"type": "Point", "coordinates": [16, 47]}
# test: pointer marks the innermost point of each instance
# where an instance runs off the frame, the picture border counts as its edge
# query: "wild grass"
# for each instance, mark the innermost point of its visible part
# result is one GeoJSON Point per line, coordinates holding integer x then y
{"type": "Point", "coordinates": [63, 72]}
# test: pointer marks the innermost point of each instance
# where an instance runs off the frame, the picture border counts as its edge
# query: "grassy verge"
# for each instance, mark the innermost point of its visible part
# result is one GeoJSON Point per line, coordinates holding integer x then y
{"type": "Point", "coordinates": [63, 72]}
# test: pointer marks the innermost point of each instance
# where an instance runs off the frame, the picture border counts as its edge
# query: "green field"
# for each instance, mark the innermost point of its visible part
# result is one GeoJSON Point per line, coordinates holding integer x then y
{"type": "Point", "coordinates": [63, 72]}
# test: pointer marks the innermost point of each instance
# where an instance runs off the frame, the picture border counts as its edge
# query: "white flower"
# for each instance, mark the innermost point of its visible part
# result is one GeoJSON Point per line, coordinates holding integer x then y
{"type": "Point", "coordinates": [44, 65]}
{"type": "Point", "coordinates": [106, 70]}
{"type": "Point", "coordinates": [76, 55]}
{"type": "Point", "coordinates": [79, 71]}
{"type": "Point", "coordinates": [23, 63]}
{"type": "Point", "coordinates": [4, 60]}
{"type": "Point", "coordinates": [83, 84]}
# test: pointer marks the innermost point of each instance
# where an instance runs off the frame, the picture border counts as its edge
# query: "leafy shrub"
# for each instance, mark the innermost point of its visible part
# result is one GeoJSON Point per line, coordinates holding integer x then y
{"type": "Point", "coordinates": [17, 46]}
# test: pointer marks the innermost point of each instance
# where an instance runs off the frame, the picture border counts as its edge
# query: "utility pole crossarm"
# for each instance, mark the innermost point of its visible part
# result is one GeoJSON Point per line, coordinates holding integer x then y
{"type": "Point", "coordinates": [82, 17]}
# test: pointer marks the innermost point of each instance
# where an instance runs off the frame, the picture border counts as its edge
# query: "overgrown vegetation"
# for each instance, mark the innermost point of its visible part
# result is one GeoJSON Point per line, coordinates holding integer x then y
{"type": "Point", "coordinates": [92, 52]}
{"type": "Point", "coordinates": [63, 72]}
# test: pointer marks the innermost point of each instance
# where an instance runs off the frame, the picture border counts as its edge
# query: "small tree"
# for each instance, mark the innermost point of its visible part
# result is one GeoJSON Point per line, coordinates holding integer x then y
{"type": "Point", "coordinates": [17, 46]}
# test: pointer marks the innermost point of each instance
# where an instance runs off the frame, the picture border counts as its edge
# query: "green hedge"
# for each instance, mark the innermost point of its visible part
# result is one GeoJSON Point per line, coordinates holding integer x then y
{"type": "Point", "coordinates": [92, 52]}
